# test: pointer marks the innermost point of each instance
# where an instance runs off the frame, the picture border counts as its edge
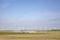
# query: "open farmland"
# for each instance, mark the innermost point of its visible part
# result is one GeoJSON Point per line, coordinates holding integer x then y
{"type": "Point", "coordinates": [50, 35]}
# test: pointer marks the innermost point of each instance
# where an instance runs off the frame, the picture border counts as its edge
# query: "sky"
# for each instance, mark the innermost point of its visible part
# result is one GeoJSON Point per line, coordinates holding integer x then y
{"type": "Point", "coordinates": [29, 14]}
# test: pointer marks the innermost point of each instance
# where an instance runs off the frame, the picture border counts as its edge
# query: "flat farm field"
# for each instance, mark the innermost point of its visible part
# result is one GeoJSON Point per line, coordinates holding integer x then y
{"type": "Point", "coordinates": [50, 35]}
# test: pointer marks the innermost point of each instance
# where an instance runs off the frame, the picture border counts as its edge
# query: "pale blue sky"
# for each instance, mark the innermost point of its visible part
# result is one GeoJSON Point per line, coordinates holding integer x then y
{"type": "Point", "coordinates": [29, 14]}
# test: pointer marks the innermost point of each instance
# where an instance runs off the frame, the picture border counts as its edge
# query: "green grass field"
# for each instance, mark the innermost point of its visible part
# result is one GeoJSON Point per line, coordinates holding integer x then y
{"type": "Point", "coordinates": [50, 35]}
